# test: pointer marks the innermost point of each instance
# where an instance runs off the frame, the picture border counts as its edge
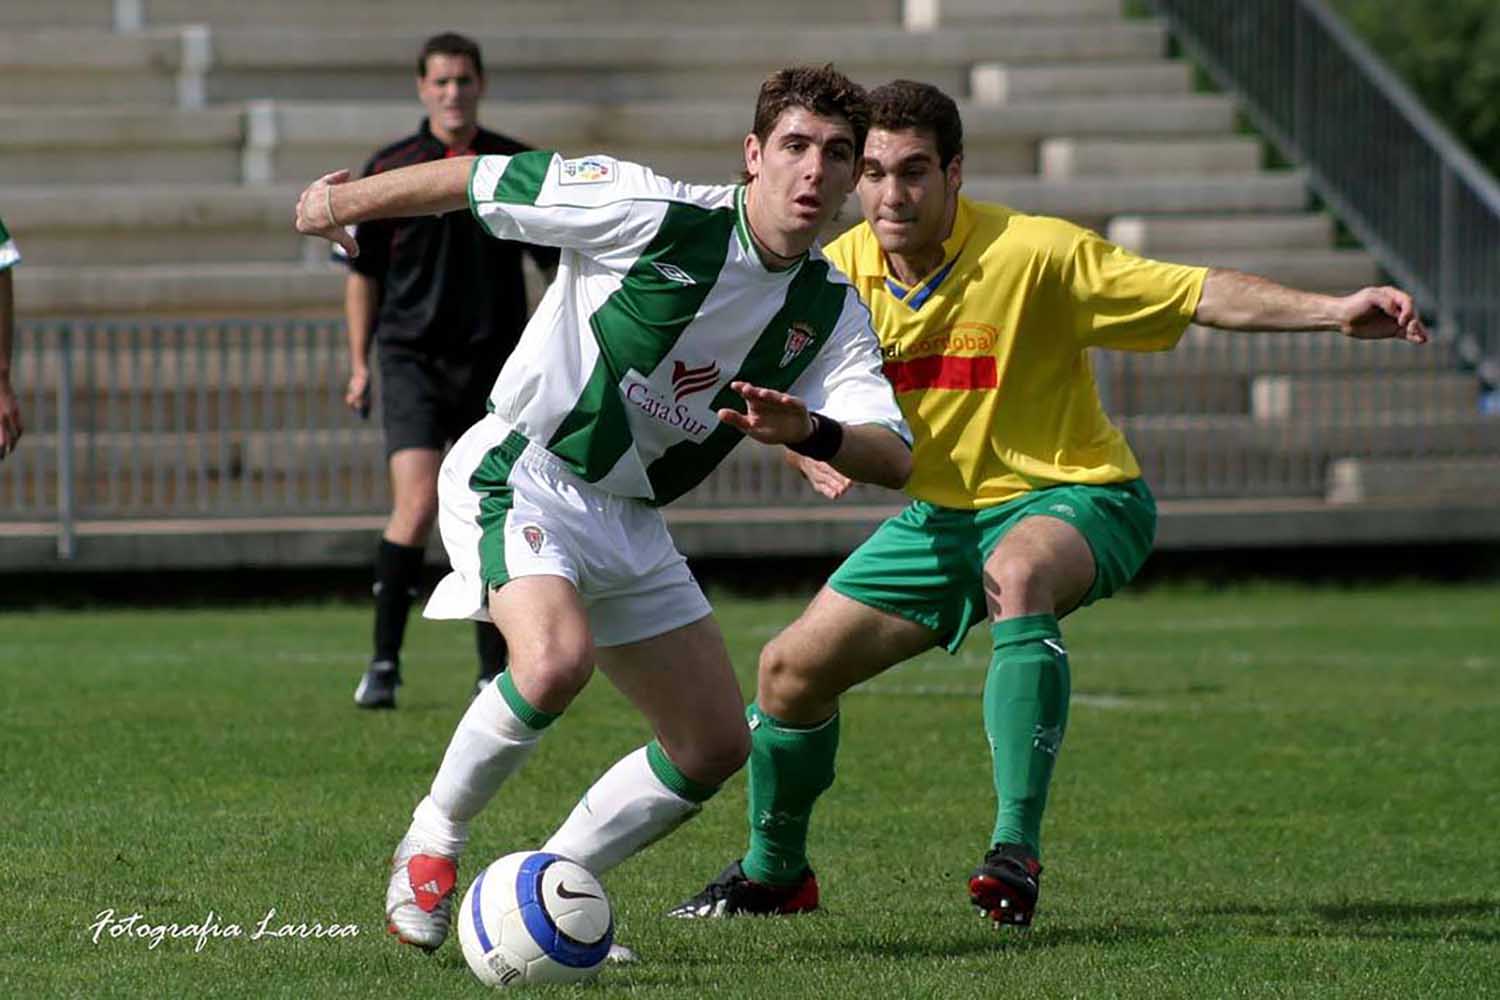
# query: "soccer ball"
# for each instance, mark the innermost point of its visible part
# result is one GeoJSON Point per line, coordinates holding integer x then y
{"type": "Point", "coordinates": [534, 917]}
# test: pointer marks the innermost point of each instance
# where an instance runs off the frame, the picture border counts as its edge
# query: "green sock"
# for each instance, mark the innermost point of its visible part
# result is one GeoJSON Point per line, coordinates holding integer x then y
{"type": "Point", "coordinates": [1025, 716]}
{"type": "Point", "coordinates": [790, 766]}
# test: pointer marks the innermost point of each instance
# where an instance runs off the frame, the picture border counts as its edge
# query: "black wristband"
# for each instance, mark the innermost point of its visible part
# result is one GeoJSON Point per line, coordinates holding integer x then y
{"type": "Point", "coordinates": [824, 442]}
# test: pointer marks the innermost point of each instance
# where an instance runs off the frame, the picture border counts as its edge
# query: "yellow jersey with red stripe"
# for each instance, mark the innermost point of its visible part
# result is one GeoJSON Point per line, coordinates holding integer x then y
{"type": "Point", "coordinates": [988, 354]}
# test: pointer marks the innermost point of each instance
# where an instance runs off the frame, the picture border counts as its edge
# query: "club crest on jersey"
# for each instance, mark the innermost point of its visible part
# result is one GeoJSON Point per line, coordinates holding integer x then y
{"type": "Point", "coordinates": [587, 170]}
{"type": "Point", "coordinates": [686, 381]}
{"type": "Point", "coordinates": [798, 336]}
{"type": "Point", "coordinates": [534, 538]}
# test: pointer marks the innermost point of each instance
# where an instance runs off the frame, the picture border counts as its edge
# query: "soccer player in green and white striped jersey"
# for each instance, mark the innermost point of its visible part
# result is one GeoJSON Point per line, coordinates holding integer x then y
{"type": "Point", "coordinates": [10, 408]}
{"type": "Point", "coordinates": [683, 319]}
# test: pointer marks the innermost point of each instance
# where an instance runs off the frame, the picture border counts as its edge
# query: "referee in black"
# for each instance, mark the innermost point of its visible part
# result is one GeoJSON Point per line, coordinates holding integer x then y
{"type": "Point", "coordinates": [445, 304]}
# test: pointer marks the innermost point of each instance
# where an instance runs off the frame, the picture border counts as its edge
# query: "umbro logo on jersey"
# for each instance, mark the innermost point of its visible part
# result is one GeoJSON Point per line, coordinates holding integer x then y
{"type": "Point", "coordinates": [686, 381]}
{"type": "Point", "coordinates": [674, 273]}
{"type": "Point", "coordinates": [798, 336]}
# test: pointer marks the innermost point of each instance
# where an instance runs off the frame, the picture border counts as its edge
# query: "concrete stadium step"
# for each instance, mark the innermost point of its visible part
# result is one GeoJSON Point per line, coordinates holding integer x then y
{"type": "Point", "coordinates": [1187, 380]}
{"type": "Point", "coordinates": [137, 225]}
{"type": "Point", "coordinates": [480, 15]}
{"type": "Point", "coordinates": [1230, 456]}
{"type": "Point", "coordinates": [1156, 235]}
{"type": "Point", "coordinates": [188, 65]}
{"type": "Point", "coordinates": [1072, 157]}
{"type": "Point", "coordinates": [1208, 351]}
{"type": "Point", "coordinates": [618, 63]}
{"type": "Point", "coordinates": [1091, 201]}
{"type": "Point", "coordinates": [105, 145]}
{"type": "Point", "coordinates": [1005, 83]}
{"type": "Point", "coordinates": [21, 15]}
{"type": "Point", "coordinates": [239, 289]}
{"type": "Point", "coordinates": [147, 227]}
{"type": "Point", "coordinates": [69, 66]}
{"type": "Point", "coordinates": [692, 140]}
{"type": "Point", "coordinates": [1322, 398]}
{"type": "Point", "coordinates": [924, 14]}
{"type": "Point", "coordinates": [1339, 271]}
{"type": "Point", "coordinates": [1458, 480]}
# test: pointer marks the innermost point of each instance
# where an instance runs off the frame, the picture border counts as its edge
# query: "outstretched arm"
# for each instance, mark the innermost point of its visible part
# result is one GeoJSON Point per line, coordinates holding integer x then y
{"type": "Point", "coordinates": [866, 452]}
{"type": "Point", "coordinates": [333, 201]}
{"type": "Point", "coordinates": [1233, 300]}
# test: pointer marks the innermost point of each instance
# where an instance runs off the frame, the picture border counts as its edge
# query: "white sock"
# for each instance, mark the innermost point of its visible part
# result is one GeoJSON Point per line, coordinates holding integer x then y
{"type": "Point", "coordinates": [627, 810]}
{"type": "Point", "coordinates": [488, 746]}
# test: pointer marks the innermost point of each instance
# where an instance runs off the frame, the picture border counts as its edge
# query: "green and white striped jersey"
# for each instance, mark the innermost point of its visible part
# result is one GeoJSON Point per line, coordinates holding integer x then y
{"type": "Point", "coordinates": [661, 300]}
{"type": "Point", "coordinates": [10, 255]}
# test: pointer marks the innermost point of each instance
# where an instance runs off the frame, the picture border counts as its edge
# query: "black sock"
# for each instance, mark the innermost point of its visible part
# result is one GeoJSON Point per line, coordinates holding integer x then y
{"type": "Point", "coordinates": [398, 571]}
{"type": "Point", "coordinates": [490, 645]}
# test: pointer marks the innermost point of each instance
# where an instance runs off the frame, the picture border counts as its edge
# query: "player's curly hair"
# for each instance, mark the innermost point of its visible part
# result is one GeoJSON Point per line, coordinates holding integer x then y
{"type": "Point", "coordinates": [907, 104]}
{"type": "Point", "coordinates": [822, 90]}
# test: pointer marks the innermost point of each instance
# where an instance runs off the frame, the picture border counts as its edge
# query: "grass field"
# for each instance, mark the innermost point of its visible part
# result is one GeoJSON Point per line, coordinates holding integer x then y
{"type": "Point", "coordinates": [1264, 792]}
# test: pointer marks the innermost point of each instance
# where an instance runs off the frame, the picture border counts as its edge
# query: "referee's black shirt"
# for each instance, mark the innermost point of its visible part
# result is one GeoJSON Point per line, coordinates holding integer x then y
{"type": "Point", "coordinates": [447, 288]}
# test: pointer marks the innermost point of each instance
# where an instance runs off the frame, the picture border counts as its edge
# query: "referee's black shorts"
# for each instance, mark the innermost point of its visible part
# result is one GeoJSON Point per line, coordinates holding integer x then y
{"type": "Point", "coordinates": [428, 402]}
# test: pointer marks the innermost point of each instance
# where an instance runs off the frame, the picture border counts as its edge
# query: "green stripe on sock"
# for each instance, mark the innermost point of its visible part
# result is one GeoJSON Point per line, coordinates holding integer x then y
{"type": "Point", "coordinates": [679, 783]}
{"type": "Point", "coordinates": [525, 710]}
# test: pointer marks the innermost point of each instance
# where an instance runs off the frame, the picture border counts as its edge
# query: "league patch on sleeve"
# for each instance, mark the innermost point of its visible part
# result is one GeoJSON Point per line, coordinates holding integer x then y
{"type": "Point", "coordinates": [587, 170]}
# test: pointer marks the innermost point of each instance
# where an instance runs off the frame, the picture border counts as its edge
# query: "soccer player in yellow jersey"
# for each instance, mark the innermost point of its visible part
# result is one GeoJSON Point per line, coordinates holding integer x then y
{"type": "Point", "coordinates": [1026, 501]}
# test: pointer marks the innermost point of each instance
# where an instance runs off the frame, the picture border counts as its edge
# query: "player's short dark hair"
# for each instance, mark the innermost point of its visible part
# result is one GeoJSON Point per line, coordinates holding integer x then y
{"type": "Point", "coordinates": [907, 104]}
{"type": "Point", "coordinates": [450, 43]}
{"type": "Point", "coordinates": [822, 90]}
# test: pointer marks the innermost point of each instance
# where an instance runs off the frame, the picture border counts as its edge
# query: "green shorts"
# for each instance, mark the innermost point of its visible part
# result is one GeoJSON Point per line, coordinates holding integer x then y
{"type": "Point", "coordinates": [926, 563]}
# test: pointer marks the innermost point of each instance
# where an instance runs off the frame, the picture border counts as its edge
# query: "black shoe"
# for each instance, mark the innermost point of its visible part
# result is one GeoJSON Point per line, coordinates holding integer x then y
{"type": "Point", "coordinates": [1005, 886]}
{"type": "Point", "coordinates": [732, 894]}
{"type": "Point", "coordinates": [377, 688]}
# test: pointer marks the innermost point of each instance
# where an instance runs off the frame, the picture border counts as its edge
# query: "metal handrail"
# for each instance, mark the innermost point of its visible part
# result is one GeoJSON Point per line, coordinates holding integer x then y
{"type": "Point", "coordinates": [1291, 96]}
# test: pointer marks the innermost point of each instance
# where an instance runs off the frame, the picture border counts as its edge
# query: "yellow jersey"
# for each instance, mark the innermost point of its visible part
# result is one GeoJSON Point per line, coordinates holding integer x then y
{"type": "Point", "coordinates": [988, 354]}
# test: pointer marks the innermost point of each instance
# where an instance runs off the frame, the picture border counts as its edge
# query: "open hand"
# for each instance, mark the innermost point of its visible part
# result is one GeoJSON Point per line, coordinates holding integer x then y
{"type": "Point", "coordinates": [1382, 313]}
{"type": "Point", "coordinates": [822, 477]}
{"type": "Point", "coordinates": [357, 392]}
{"type": "Point", "coordinates": [771, 417]}
{"type": "Point", "coordinates": [315, 216]}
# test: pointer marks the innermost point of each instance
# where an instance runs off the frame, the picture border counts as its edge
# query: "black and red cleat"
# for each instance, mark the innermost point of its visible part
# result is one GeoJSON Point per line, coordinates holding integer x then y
{"type": "Point", "coordinates": [733, 894]}
{"type": "Point", "coordinates": [1005, 886]}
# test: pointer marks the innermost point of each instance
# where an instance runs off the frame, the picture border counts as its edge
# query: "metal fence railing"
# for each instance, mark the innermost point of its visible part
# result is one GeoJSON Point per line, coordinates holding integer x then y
{"type": "Point", "coordinates": [143, 420]}
{"type": "Point", "coordinates": [157, 420]}
{"type": "Point", "coordinates": [1404, 186]}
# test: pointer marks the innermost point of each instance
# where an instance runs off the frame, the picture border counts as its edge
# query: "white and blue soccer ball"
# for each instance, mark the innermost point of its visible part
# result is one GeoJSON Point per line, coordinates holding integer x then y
{"type": "Point", "coordinates": [534, 917]}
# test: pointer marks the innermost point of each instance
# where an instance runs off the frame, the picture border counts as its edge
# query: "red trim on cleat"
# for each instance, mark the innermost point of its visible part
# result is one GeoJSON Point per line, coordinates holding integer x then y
{"type": "Point", "coordinates": [998, 901]}
{"type": "Point", "coordinates": [806, 897]}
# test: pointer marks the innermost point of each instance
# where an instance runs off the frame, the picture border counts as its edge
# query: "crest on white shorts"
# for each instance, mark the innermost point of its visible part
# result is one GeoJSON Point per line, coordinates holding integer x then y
{"type": "Point", "coordinates": [534, 538]}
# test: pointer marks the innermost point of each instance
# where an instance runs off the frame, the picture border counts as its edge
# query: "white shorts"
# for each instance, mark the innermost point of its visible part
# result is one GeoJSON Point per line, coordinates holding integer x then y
{"type": "Point", "coordinates": [508, 508]}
